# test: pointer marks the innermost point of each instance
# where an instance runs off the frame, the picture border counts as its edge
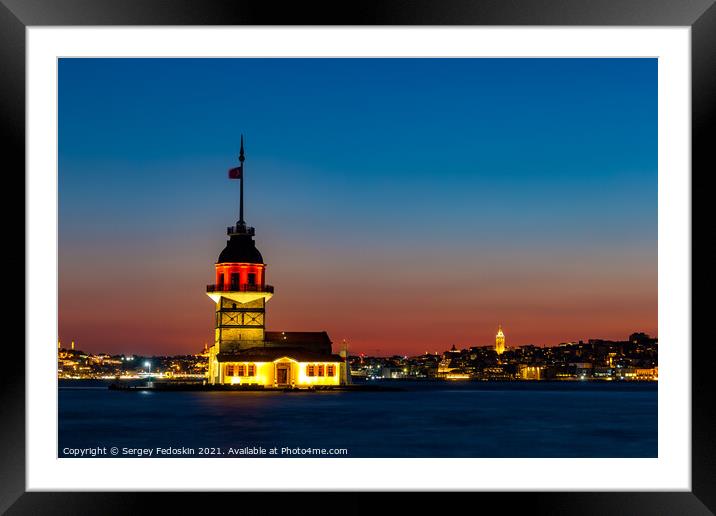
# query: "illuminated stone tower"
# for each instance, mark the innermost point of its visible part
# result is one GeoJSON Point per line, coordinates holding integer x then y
{"type": "Point", "coordinates": [244, 354]}
{"type": "Point", "coordinates": [240, 291]}
{"type": "Point", "coordinates": [499, 341]}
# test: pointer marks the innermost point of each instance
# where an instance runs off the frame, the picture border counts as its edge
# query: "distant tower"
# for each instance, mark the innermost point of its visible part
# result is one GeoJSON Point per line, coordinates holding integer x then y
{"type": "Point", "coordinates": [240, 291]}
{"type": "Point", "coordinates": [499, 341]}
{"type": "Point", "coordinates": [72, 346]}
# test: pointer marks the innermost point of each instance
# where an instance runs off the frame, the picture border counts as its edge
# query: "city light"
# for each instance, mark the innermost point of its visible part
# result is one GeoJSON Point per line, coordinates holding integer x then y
{"type": "Point", "coordinates": [633, 359]}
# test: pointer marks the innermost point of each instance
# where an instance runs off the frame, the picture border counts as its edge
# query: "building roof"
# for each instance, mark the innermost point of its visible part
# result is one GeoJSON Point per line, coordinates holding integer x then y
{"type": "Point", "coordinates": [240, 248]}
{"type": "Point", "coordinates": [274, 353]}
{"type": "Point", "coordinates": [291, 338]}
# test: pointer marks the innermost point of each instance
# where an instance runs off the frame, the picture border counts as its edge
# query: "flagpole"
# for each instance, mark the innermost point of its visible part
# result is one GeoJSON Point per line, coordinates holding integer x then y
{"type": "Point", "coordinates": [241, 198]}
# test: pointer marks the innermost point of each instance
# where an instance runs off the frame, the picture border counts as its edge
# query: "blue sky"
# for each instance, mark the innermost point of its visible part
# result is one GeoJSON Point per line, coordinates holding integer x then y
{"type": "Point", "coordinates": [364, 169]}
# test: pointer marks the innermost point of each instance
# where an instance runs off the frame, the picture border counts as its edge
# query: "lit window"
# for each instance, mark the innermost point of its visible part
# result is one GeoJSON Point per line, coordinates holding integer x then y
{"type": "Point", "coordinates": [229, 370]}
{"type": "Point", "coordinates": [242, 370]}
{"type": "Point", "coordinates": [330, 370]}
{"type": "Point", "coordinates": [252, 370]}
{"type": "Point", "coordinates": [320, 370]}
{"type": "Point", "coordinates": [310, 370]}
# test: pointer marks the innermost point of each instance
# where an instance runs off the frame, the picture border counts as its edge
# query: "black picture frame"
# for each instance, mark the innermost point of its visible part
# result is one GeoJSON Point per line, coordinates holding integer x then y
{"type": "Point", "coordinates": [16, 15]}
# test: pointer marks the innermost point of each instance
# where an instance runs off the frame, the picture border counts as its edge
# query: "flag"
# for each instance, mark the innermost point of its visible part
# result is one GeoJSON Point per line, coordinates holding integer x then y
{"type": "Point", "coordinates": [236, 173]}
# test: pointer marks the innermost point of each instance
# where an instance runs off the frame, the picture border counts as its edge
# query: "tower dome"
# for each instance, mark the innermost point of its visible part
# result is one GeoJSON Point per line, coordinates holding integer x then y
{"type": "Point", "coordinates": [240, 248]}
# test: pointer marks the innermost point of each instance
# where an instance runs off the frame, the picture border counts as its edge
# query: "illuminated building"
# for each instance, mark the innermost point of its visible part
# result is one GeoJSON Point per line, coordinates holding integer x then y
{"type": "Point", "coordinates": [499, 341]}
{"type": "Point", "coordinates": [244, 353]}
{"type": "Point", "coordinates": [531, 372]}
{"type": "Point", "coordinates": [444, 366]}
{"type": "Point", "coordinates": [450, 361]}
{"type": "Point", "coordinates": [645, 374]}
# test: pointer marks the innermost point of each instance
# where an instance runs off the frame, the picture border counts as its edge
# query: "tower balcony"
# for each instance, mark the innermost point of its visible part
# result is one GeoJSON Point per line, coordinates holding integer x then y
{"type": "Point", "coordinates": [240, 229]}
{"type": "Point", "coordinates": [240, 288]}
{"type": "Point", "coordinates": [242, 293]}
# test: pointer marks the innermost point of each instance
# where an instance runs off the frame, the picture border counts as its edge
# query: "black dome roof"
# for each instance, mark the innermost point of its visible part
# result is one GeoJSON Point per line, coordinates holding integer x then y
{"type": "Point", "coordinates": [241, 249]}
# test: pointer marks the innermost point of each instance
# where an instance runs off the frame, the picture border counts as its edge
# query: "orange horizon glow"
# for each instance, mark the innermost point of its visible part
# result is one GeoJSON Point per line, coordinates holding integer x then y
{"type": "Point", "coordinates": [395, 316]}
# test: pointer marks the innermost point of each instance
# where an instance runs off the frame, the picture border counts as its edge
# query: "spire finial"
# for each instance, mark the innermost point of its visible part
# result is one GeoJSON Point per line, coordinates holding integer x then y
{"type": "Point", "coordinates": [241, 151]}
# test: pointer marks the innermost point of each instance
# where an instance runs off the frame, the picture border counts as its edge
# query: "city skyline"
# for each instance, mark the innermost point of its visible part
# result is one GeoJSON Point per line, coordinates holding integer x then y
{"type": "Point", "coordinates": [412, 204]}
{"type": "Point", "coordinates": [73, 347]}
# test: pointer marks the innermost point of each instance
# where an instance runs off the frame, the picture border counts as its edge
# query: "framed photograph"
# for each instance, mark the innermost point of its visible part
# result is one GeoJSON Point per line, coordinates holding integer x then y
{"type": "Point", "coordinates": [410, 249]}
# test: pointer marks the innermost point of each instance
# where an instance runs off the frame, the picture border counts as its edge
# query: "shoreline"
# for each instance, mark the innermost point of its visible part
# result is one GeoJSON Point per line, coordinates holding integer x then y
{"type": "Point", "coordinates": [387, 385]}
{"type": "Point", "coordinates": [194, 386]}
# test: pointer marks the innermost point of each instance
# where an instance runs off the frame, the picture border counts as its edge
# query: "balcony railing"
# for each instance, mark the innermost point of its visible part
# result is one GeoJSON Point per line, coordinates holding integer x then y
{"type": "Point", "coordinates": [240, 230]}
{"type": "Point", "coordinates": [240, 288]}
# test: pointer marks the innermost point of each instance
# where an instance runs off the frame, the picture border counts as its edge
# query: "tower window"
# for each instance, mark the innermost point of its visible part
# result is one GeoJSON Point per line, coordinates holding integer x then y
{"type": "Point", "coordinates": [234, 280]}
{"type": "Point", "coordinates": [251, 278]}
{"type": "Point", "coordinates": [320, 370]}
{"type": "Point", "coordinates": [310, 370]}
{"type": "Point", "coordinates": [252, 370]}
{"type": "Point", "coordinates": [229, 370]}
{"type": "Point", "coordinates": [330, 370]}
{"type": "Point", "coordinates": [242, 370]}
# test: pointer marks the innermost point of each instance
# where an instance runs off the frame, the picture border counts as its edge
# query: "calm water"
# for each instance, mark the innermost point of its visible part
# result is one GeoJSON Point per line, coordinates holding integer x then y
{"type": "Point", "coordinates": [428, 419]}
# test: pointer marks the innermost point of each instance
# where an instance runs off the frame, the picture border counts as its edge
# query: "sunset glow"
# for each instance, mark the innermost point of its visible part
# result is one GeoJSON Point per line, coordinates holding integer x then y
{"type": "Point", "coordinates": [403, 205]}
